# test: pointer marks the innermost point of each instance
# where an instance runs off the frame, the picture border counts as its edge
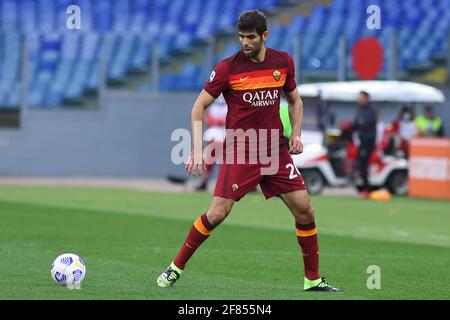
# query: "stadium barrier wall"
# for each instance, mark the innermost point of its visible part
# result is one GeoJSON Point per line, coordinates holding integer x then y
{"type": "Point", "coordinates": [429, 168]}
{"type": "Point", "coordinates": [128, 136]}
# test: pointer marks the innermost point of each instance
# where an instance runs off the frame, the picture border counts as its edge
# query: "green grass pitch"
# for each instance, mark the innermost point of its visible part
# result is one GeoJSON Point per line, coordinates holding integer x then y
{"type": "Point", "coordinates": [128, 237]}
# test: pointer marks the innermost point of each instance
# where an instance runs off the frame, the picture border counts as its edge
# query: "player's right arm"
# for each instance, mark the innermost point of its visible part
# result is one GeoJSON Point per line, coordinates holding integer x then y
{"type": "Point", "coordinates": [217, 83]}
{"type": "Point", "coordinates": [196, 162]}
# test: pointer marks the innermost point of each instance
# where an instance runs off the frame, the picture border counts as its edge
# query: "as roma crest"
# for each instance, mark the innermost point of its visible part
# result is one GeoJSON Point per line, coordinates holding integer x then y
{"type": "Point", "coordinates": [276, 75]}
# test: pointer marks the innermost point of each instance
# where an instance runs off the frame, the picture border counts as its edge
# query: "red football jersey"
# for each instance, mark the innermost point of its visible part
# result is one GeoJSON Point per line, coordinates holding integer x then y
{"type": "Point", "coordinates": [253, 90]}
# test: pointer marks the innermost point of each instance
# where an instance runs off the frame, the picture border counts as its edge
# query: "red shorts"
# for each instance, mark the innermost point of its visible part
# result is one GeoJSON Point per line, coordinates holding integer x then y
{"type": "Point", "coordinates": [236, 180]}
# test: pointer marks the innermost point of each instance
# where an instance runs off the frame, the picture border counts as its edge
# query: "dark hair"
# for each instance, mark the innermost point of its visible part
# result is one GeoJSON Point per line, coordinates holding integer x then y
{"type": "Point", "coordinates": [429, 109]}
{"type": "Point", "coordinates": [251, 20]}
{"type": "Point", "coordinates": [406, 108]}
{"type": "Point", "coordinates": [365, 93]}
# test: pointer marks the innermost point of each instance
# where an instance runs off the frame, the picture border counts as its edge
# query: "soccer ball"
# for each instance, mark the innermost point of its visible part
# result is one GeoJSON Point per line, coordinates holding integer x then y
{"type": "Point", "coordinates": [68, 269]}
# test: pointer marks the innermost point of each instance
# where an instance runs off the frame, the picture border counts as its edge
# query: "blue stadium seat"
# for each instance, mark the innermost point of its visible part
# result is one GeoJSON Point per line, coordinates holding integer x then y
{"type": "Point", "coordinates": [64, 63]}
{"type": "Point", "coordinates": [93, 76]}
{"type": "Point", "coordinates": [28, 17]}
{"type": "Point", "coordinates": [10, 68]}
{"type": "Point", "coordinates": [142, 54]}
{"type": "Point", "coordinates": [227, 18]}
{"type": "Point", "coordinates": [9, 15]}
{"type": "Point", "coordinates": [121, 59]}
{"type": "Point", "coordinates": [139, 16]}
{"type": "Point", "coordinates": [102, 16]}
{"type": "Point", "coordinates": [46, 15]}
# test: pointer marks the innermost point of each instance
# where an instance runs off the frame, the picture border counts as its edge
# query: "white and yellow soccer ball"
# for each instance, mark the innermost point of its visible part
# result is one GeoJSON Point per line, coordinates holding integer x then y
{"type": "Point", "coordinates": [68, 269]}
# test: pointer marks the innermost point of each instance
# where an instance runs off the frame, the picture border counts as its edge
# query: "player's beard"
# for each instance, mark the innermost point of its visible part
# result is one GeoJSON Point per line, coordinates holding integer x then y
{"type": "Point", "coordinates": [254, 52]}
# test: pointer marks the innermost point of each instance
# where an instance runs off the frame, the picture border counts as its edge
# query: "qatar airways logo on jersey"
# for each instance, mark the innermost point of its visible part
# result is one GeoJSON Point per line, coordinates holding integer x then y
{"type": "Point", "coordinates": [262, 98]}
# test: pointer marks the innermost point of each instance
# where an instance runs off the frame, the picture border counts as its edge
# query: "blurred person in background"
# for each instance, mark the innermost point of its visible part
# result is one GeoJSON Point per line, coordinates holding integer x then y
{"type": "Point", "coordinates": [214, 135]}
{"type": "Point", "coordinates": [351, 149]}
{"type": "Point", "coordinates": [405, 129]}
{"type": "Point", "coordinates": [365, 127]}
{"type": "Point", "coordinates": [429, 124]}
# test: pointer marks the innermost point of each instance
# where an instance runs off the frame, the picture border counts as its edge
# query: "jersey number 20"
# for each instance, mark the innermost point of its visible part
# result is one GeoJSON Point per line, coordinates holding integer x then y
{"type": "Point", "coordinates": [293, 169]}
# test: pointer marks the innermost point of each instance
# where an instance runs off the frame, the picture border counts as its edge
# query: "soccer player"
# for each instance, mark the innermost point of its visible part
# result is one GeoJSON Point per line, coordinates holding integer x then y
{"type": "Point", "coordinates": [251, 82]}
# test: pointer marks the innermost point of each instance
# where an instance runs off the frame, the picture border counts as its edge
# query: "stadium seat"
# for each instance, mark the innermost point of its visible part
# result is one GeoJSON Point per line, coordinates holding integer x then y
{"type": "Point", "coordinates": [64, 63]}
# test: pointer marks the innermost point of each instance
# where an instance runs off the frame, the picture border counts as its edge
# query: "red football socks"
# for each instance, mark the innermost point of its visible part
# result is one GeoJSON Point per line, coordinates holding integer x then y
{"type": "Point", "coordinates": [307, 239]}
{"type": "Point", "coordinates": [197, 235]}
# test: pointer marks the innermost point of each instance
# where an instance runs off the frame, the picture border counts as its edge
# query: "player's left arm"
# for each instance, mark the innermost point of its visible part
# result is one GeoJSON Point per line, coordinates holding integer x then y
{"type": "Point", "coordinates": [295, 107]}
